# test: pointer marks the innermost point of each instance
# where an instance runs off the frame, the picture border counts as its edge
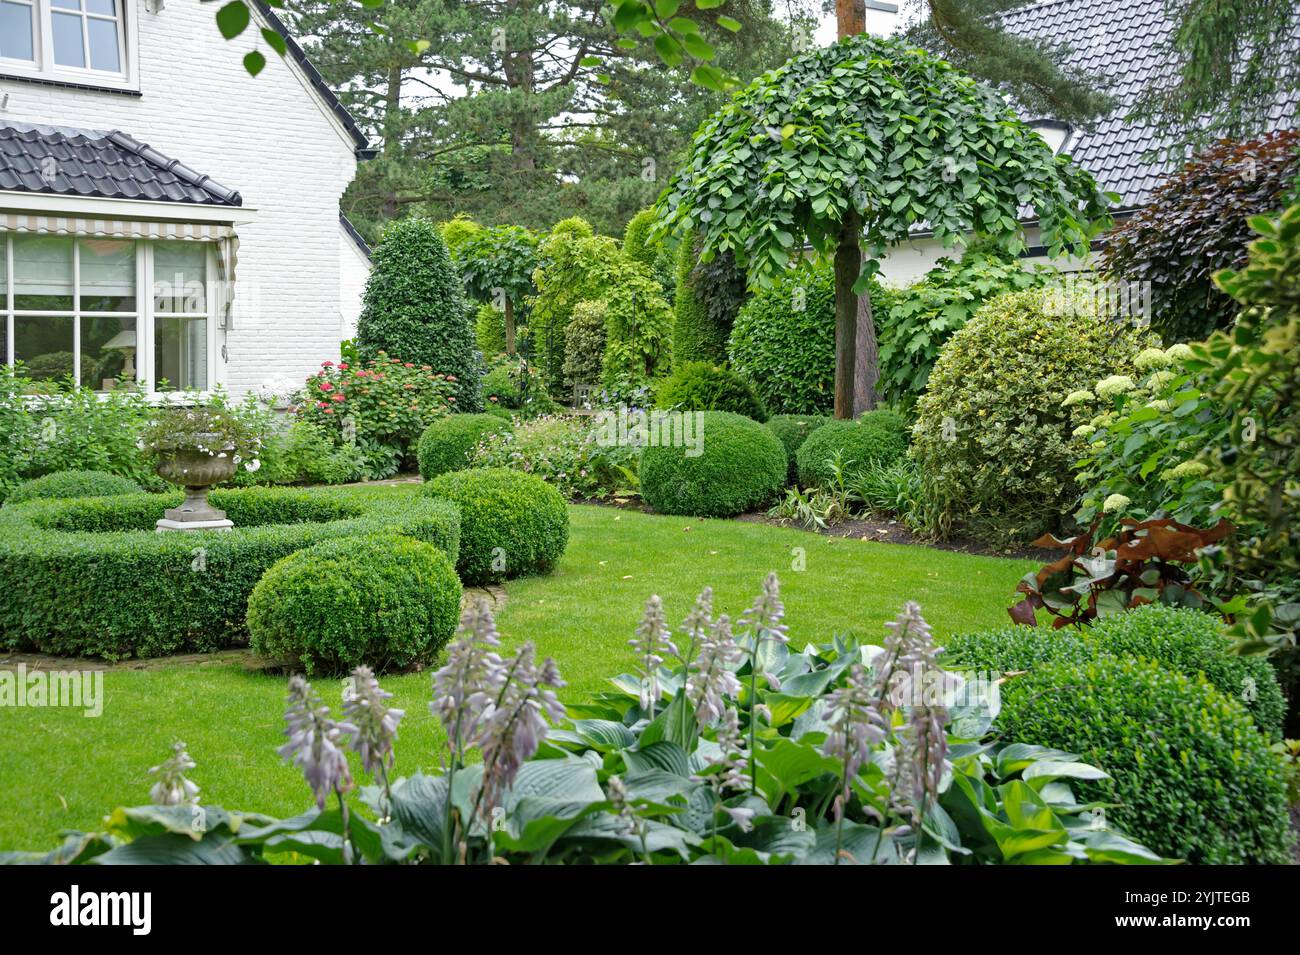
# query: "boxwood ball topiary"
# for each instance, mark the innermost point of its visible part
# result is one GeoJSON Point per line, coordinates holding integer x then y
{"type": "Point", "coordinates": [792, 430]}
{"type": "Point", "coordinates": [385, 601]}
{"type": "Point", "coordinates": [448, 443]}
{"type": "Point", "coordinates": [860, 445]}
{"type": "Point", "coordinates": [701, 386]}
{"type": "Point", "coordinates": [512, 524]}
{"type": "Point", "coordinates": [740, 466]}
{"type": "Point", "coordinates": [72, 484]}
{"type": "Point", "coordinates": [1192, 642]}
{"type": "Point", "coordinates": [1191, 776]}
{"type": "Point", "coordinates": [1014, 648]}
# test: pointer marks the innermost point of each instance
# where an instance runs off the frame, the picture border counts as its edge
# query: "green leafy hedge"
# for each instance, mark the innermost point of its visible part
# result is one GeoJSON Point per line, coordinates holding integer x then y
{"type": "Point", "coordinates": [741, 466]}
{"type": "Point", "coordinates": [860, 444]}
{"type": "Point", "coordinates": [701, 386]}
{"type": "Point", "coordinates": [1191, 775]}
{"type": "Point", "coordinates": [449, 443]}
{"type": "Point", "coordinates": [783, 340]}
{"type": "Point", "coordinates": [72, 484]}
{"type": "Point", "coordinates": [386, 602]}
{"type": "Point", "coordinates": [91, 577]}
{"type": "Point", "coordinates": [512, 524]}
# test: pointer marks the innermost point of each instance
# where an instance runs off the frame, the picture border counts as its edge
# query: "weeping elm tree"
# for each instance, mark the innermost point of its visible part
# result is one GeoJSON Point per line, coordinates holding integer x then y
{"type": "Point", "coordinates": [847, 148]}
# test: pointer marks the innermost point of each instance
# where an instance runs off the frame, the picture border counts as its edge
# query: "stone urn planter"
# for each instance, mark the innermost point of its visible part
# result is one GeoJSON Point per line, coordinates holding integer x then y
{"type": "Point", "coordinates": [196, 471]}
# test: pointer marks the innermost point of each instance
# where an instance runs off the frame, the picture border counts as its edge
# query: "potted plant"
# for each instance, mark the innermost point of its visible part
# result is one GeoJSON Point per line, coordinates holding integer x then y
{"type": "Point", "coordinates": [195, 448]}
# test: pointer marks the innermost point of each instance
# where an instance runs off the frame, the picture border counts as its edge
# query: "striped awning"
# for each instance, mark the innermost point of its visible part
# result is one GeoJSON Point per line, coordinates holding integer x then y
{"type": "Point", "coordinates": [114, 228]}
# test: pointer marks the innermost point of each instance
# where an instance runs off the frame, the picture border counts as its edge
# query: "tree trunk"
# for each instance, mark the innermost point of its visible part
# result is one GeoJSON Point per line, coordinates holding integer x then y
{"type": "Point", "coordinates": [856, 351]}
{"type": "Point", "coordinates": [850, 18]}
{"type": "Point", "coordinates": [510, 327]}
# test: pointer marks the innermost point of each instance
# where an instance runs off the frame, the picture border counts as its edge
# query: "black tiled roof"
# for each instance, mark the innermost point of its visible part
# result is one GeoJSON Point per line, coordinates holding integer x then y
{"type": "Point", "coordinates": [358, 239]}
{"type": "Point", "coordinates": [98, 164]}
{"type": "Point", "coordinates": [1120, 40]}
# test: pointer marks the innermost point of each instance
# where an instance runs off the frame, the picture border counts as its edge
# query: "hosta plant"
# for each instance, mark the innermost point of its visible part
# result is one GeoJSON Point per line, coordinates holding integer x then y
{"type": "Point", "coordinates": [728, 745]}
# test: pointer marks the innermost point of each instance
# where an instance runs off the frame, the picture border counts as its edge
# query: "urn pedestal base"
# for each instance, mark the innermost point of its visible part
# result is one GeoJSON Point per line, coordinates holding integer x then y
{"type": "Point", "coordinates": [196, 514]}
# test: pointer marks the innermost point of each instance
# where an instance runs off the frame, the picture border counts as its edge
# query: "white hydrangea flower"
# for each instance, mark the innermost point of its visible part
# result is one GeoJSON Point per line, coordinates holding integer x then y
{"type": "Point", "coordinates": [1078, 398]}
{"type": "Point", "coordinates": [1114, 385]}
{"type": "Point", "coordinates": [1083, 431]}
{"type": "Point", "coordinates": [1116, 503]}
{"type": "Point", "coordinates": [1179, 352]}
{"type": "Point", "coordinates": [1158, 405]}
{"type": "Point", "coordinates": [1160, 379]}
{"type": "Point", "coordinates": [1149, 358]}
{"type": "Point", "coordinates": [1185, 470]}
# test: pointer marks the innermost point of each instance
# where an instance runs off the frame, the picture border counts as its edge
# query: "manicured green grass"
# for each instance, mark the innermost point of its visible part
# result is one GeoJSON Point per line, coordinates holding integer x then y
{"type": "Point", "coordinates": [59, 769]}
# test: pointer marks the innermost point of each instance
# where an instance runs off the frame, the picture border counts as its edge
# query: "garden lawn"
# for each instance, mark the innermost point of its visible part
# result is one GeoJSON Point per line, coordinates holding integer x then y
{"type": "Point", "coordinates": [60, 769]}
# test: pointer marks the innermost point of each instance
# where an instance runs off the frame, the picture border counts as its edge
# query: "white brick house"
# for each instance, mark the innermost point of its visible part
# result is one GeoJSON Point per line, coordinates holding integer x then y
{"type": "Point", "coordinates": [232, 268]}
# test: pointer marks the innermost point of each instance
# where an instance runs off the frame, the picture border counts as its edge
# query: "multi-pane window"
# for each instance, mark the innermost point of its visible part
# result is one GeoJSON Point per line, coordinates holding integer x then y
{"type": "Point", "coordinates": [75, 38]}
{"type": "Point", "coordinates": [72, 307]}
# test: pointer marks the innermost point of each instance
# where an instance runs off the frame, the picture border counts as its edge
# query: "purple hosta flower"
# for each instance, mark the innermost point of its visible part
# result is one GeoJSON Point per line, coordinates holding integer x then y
{"type": "Point", "coordinates": [172, 788]}
{"type": "Point", "coordinates": [375, 722]}
{"type": "Point", "coordinates": [697, 624]}
{"type": "Point", "coordinates": [908, 652]}
{"type": "Point", "coordinates": [858, 725]}
{"type": "Point", "coordinates": [465, 688]}
{"type": "Point", "coordinates": [711, 679]}
{"type": "Point", "coordinates": [731, 760]}
{"type": "Point", "coordinates": [616, 791]}
{"type": "Point", "coordinates": [920, 760]}
{"type": "Point", "coordinates": [314, 742]}
{"type": "Point", "coordinates": [514, 725]}
{"type": "Point", "coordinates": [764, 617]}
{"type": "Point", "coordinates": [651, 644]}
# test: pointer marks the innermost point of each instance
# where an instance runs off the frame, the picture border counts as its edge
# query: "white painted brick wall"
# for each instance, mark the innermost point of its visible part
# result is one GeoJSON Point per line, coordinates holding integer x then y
{"type": "Point", "coordinates": [272, 138]}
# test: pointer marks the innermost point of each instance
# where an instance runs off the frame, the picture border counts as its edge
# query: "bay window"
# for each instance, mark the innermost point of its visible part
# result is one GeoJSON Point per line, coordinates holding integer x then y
{"type": "Point", "coordinates": [81, 41]}
{"type": "Point", "coordinates": [73, 306]}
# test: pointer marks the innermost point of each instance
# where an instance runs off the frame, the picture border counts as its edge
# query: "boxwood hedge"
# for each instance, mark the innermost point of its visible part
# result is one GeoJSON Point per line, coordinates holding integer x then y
{"type": "Point", "coordinates": [448, 443]}
{"type": "Point", "coordinates": [512, 524]}
{"type": "Point", "coordinates": [1191, 776]}
{"type": "Point", "coordinates": [741, 466]}
{"type": "Point", "coordinates": [792, 430]}
{"type": "Point", "coordinates": [72, 484]}
{"type": "Point", "coordinates": [91, 577]}
{"type": "Point", "coordinates": [385, 601]}
{"type": "Point", "coordinates": [860, 445]}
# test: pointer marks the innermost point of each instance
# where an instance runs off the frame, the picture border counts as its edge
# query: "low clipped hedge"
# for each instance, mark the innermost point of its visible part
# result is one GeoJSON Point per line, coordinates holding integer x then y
{"type": "Point", "coordinates": [792, 430]}
{"type": "Point", "coordinates": [385, 601]}
{"type": "Point", "coordinates": [741, 466]}
{"type": "Point", "coordinates": [72, 484]}
{"type": "Point", "coordinates": [1180, 639]}
{"type": "Point", "coordinates": [1191, 776]}
{"type": "Point", "coordinates": [447, 444]}
{"type": "Point", "coordinates": [860, 444]}
{"type": "Point", "coordinates": [702, 386]}
{"type": "Point", "coordinates": [1014, 648]}
{"type": "Point", "coordinates": [512, 524]}
{"type": "Point", "coordinates": [91, 577]}
{"type": "Point", "coordinates": [1191, 641]}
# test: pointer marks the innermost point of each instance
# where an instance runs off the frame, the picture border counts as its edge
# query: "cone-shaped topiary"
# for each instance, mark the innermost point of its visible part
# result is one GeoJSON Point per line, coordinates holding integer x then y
{"type": "Point", "coordinates": [736, 466]}
{"type": "Point", "coordinates": [414, 307]}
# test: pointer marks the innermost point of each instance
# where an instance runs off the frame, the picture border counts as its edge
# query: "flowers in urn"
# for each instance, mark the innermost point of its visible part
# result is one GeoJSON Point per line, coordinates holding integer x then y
{"type": "Point", "coordinates": [196, 447]}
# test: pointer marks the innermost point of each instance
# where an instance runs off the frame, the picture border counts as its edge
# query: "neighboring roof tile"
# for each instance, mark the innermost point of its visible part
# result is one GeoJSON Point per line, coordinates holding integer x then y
{"type": "Point", "coordinates": [1119, 40]}
{"type": "Point", "coordinates": [99, 164]}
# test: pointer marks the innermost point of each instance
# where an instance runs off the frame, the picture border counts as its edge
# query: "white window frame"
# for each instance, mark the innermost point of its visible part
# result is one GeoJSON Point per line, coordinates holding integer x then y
{"type": "Point", "coordinates": [145, 314]}
{"type": "Point", "coordinates": [44, 67]}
